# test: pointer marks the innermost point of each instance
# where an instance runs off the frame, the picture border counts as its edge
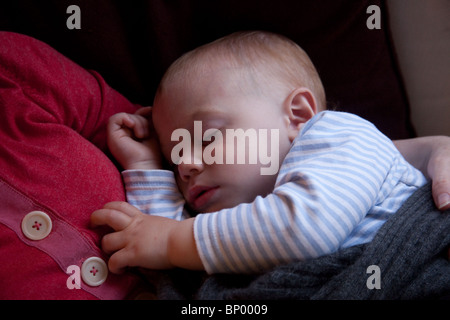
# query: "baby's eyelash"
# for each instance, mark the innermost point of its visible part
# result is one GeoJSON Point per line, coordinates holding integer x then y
{"type": "Point", "coordinates": [211, 137]}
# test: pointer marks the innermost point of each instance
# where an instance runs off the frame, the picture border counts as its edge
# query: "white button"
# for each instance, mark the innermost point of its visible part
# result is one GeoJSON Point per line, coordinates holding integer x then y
{"type": "Point", "coordinates": [94, 271]}
{"type": "Point", "coordinates": [36, 225]}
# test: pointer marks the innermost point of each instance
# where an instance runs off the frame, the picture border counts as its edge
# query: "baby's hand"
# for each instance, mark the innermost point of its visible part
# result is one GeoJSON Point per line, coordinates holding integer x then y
{"type": "Point", "coordinates": [140, 239]}
{"type": "Point", "coordinates": [132, 140]}
{"type": "Point", "coordinates": [146, 241]}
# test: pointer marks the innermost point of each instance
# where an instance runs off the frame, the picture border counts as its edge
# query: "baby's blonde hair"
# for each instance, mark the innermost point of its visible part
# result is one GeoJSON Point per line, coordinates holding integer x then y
{"type": "Point", "coordinates": [276, 57]}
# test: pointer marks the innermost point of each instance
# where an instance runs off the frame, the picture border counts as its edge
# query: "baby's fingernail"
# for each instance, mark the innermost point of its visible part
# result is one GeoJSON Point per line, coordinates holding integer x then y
{"type": "Point", "coordinates": [443, 200]}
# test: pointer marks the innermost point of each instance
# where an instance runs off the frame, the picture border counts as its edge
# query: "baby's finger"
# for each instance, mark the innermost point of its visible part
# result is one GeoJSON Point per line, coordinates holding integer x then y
{"type": "Point", "coordinates": [113, 242]}
{"type": "Point", "coordinates": [123, 207]}
{"type": "Point", "coordinates": [119, 261]}
{"type": "Point", "coordinates": [120, 120]}
{"type": "Point", "coordinates": [141, 127]}
{"type": "Point", "coordinates": [113, 218]}
{"type": "Point", "coordinates": [144, 111]}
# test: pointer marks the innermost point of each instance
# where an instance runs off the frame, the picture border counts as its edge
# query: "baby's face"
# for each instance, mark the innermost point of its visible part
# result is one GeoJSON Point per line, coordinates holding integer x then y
{"type": "Point", "coordinates": [209, 177]}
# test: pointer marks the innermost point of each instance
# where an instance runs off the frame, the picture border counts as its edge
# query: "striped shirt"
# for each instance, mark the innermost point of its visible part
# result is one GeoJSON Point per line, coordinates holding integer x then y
{"type": "Point", "coordinates": [341, 180]}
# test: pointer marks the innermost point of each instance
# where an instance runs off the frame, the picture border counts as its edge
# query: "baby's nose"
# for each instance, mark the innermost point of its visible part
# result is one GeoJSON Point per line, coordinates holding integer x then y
{"type": "Point", "coordinates": [187, 170]}
{"type": "Point", "coordinates": [190, 164]}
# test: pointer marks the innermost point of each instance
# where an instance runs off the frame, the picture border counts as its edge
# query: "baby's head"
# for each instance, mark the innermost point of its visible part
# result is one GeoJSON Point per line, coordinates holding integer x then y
{"type": "Point", "coordinates": [259, 83]}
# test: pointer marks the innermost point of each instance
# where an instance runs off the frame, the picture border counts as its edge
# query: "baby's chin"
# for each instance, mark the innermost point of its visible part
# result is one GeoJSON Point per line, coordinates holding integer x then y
{"type": "Point", "coordinates": [214, 207]}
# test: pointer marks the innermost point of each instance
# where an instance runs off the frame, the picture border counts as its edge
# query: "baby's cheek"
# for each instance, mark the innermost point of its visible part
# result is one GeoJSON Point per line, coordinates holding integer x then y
{"type": "Point", "coordinates": [250, 183]}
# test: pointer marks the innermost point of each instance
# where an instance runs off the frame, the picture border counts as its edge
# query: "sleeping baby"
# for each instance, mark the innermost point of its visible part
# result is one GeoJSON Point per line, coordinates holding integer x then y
{"type": "Point", "coordinates": [339, 178]}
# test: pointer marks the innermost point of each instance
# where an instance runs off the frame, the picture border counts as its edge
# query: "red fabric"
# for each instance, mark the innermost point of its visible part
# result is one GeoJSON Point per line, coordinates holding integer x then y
{"type": "Point", "coordinates": [53, 115]}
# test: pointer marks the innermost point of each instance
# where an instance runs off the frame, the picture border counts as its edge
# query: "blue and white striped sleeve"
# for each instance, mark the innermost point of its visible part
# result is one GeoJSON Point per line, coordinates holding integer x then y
{"type": "Point", "coordinates": [326, 185]}
{"type": "Point", "coordinates": [154, 192]}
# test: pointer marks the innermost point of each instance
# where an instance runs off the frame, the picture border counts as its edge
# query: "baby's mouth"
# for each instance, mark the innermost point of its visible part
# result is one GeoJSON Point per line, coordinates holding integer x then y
{"type": "Point", "coordinates": [199, 196]}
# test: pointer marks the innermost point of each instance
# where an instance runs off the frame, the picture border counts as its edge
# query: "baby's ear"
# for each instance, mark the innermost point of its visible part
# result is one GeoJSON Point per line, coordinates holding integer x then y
{"type": "Point", "coordinates": [300, 106]}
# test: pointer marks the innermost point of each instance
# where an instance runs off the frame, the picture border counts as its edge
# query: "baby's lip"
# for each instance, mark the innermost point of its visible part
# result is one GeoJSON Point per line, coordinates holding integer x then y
{"type": "Point", "coordinates": [198, 195]}
{"type": "Point", "coordinates": [195, 191]}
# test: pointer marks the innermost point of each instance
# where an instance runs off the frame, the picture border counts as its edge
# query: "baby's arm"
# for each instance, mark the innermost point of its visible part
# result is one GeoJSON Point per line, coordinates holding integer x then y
{"type": "Point", "coordinates": [157, 242]}
{"type": "Point", "coordinates": [431, 155]}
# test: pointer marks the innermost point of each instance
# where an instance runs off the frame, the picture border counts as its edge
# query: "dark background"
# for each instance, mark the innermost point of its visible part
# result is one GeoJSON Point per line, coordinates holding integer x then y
{"type": "Point", "coordinates": [131, 43]}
